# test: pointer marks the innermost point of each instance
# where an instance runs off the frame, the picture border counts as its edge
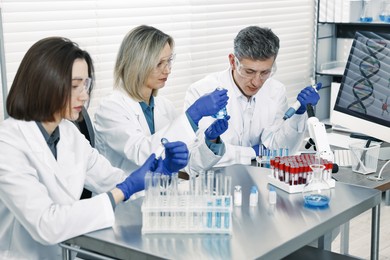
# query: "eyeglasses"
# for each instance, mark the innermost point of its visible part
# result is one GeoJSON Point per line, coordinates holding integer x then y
{"type": "Point", "coordinates": [82, 85]}
{"type": "Point", "coordinates": [163, 64]}
{"type": "Point", "coordinates": [251, 74]}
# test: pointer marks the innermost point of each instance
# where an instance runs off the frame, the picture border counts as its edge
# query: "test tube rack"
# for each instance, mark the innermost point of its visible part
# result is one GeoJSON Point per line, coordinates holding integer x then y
{"type": "Point", "coordinates": [291, 173]}
{"type": "Point", "coordinates": [293, 188]}
{"type": "Point", "coordinates": [187, 214]}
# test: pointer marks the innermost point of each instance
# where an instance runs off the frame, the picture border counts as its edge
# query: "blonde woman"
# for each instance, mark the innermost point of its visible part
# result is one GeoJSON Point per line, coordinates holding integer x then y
{"type": "Point", "coordinates": [131, 122]}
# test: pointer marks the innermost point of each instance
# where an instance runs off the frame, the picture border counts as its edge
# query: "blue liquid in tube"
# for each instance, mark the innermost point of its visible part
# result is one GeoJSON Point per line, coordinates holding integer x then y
{"type": "Point", "coordinates": [209, 221]}
{"type": "Point", "coordinates": [218, 215]}
{"type": "Point", "coordinates": [227, 217]}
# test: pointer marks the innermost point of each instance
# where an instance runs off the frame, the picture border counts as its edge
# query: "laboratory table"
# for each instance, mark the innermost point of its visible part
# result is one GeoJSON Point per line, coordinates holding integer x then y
{"type": "Point", "coordinates": [268, 231]}
{"type": "Point", "coordinates": [345, 174]}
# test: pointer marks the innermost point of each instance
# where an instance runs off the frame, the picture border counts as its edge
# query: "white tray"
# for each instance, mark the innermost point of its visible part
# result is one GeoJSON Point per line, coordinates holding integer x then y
{"type": "Point", "coordinates": [293, 188]}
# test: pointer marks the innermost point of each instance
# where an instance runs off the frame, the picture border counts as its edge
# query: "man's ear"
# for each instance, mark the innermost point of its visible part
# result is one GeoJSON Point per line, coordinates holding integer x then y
{"type": "Point", "coordinates": [231, 61]}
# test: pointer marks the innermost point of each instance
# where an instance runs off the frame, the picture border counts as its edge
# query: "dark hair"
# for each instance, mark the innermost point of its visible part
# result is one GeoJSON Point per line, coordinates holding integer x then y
{"type": "Point", "coordinates": [43, 83]}
{"type": "Point", "coordinates": [256, 43]}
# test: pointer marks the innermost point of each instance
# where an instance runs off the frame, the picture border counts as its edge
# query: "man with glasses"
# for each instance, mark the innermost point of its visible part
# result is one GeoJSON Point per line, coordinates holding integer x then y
{"type": "Point", "coordinates": [257, 102]}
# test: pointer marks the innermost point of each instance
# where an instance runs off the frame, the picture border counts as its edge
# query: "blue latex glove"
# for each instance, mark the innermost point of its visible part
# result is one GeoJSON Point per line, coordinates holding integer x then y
{"type": "Point", "coordinates": [136, 181]}
{"type": "Point", "coordinates": [308, 96]}
{"type": "Point", "coordinates": [176, 157]}
{"type": "Point", "coordinates": [217, 128]}
{"type": "Point", "coordinates": [208, 105]}
{"type": "Point", "coordinates": [257, 149]}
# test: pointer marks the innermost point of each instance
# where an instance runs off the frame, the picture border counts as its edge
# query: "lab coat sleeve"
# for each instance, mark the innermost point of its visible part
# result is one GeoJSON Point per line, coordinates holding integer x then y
{"type": "Point", "coordinates": [201, 157]}
{"type": "Point", "coordinates": [124, 131]}
{"type": "Point", "coordinates": [101, 176]}
{"type": "Point", "coordinates": [28, 199]}
{"type": "Point", "coordinates": [236, 154]}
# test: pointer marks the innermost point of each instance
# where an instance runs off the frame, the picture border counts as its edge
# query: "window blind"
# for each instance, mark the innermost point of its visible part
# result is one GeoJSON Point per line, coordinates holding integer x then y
{"type": "Point", "coordinates": [203, 31]}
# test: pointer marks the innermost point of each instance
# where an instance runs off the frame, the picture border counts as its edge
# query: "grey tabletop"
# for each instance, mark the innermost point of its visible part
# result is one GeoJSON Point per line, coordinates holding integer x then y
{"type": "Point", "coordinates": [345, 174]}
{"type": "Point", "coordinates": [263, 232]}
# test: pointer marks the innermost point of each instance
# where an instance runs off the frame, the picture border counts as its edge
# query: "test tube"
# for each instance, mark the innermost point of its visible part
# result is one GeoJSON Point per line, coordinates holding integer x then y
{"type": "Point", "coordinates": [201, 182]}
{"type": "Point", "coordinates": [192, 183]}
{"type": "Point", "coordinates": [148, 186]}
{"type": "Point", "coordinates": [218, 183]}
{"type": "Point", "coordinates": [161, 148]}
{"type": "Point", "coordinates": [227, 192]}
{"type": "Point", "coordinates": [227, 185]}
{"type": "Point", "coordinates": [210, 182]}
{"type": "Point", "coordinates": [218, 214]}
{"type": "Point", "coordinates": [209, 221]}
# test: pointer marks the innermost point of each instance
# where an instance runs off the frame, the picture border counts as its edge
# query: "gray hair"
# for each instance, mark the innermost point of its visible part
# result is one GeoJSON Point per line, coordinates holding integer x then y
{"type": "Point", "coordinates": [256, 43]}
{"type": "Point", "coordinates": [137, 57]}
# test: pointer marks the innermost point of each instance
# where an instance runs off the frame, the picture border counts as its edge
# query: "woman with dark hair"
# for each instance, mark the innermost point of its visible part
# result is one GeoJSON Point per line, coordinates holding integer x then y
{"type": "Point", "coordinates": [45, 161]}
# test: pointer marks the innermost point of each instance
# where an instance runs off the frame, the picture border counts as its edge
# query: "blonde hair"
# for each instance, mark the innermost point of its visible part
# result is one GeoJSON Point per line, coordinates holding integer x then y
{"type": "Point", "coordinates": [137, 57]}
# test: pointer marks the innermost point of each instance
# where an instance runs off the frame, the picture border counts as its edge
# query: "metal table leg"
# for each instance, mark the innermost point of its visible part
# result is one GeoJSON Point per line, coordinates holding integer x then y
{"type": "Point", "coordinates": [375, 232]}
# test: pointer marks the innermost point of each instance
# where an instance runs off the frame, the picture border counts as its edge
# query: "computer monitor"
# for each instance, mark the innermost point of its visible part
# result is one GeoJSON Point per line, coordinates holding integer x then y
{"type": "Point", "coordinates": [363, 101]}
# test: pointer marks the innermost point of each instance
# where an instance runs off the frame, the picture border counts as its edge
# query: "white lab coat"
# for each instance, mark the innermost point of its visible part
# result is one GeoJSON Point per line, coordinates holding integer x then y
{"type": "Point", "coordinates": [267, 124]}
{"type": "Point", "coordinates": [39, 195]}
{"type": "Point", "coordinates": [122, 133]}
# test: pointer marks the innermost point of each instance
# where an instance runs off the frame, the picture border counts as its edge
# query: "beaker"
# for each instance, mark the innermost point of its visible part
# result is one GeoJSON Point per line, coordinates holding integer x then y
{"type": "Point", "coordinates": [316, 192]}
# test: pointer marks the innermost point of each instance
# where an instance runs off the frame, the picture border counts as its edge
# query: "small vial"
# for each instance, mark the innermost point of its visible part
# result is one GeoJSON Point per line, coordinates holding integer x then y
{"type": "Point", "coordinates": [221, 114]}
{"type": "Point", "coordinates": [253, 197]}
{"type": "Point", "coordinates": [272, 195]}
{"type": "Point", "coordinates": [237, 196]}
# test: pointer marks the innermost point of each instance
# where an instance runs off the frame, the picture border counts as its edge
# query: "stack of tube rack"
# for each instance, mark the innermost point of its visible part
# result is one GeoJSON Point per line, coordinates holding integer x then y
{"type": "Point", "coordinates": [291, 173]}
{"type": "Point", "coordinates": [201, 209]}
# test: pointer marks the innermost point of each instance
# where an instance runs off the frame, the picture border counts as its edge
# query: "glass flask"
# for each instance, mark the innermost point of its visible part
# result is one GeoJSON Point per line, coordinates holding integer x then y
{"type": "Point", "coordinates": [384, 13]}
{"type": "Point", "coordinates": [366, 12]}
{"type": "Point", "coordinates": [316, 193]}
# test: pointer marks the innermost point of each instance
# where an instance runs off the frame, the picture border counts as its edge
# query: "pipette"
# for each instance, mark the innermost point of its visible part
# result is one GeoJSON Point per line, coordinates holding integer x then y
{"type": "Point", "coordinates": [291, 111]}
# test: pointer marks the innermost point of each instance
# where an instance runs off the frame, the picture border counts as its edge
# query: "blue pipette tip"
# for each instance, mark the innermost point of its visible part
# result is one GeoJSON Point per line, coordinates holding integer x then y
{"type": "Point", "coordinates": [290, 112]}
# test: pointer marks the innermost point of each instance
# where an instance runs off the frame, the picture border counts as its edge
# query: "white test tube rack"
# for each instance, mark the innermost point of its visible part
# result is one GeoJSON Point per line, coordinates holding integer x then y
{"type": "Point", "coordinates": [165, 210]}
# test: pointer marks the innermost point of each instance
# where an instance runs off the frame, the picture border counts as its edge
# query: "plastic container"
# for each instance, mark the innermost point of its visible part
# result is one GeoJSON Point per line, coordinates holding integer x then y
{"type": "Point", "coordinates": [364, 159]}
